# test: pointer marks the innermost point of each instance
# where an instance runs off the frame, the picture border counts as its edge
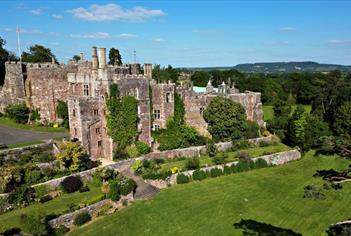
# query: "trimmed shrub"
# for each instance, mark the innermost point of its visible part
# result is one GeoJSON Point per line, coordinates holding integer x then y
{"type": "Point", "coordinates": [126, 186]}
{"type": "Point", "coordinates": [18, 112]}
{"type": "Point", "coordinates": [227, 170]}
{"type": "Point", "coordinates": [215, 172]}
{"type": "Point", "coordinates": [211, 148]}
{"type": "Point", "coordinates": [45, 198]}
{"type": "Point", "coordinates": [252, 130]}
{"type": "Point", "coordinates": [132, 151]}
{"type": "Point", "coordinates": [199, 175]}
{"type": "Point", "coordinates": [234, 168]}
{"type": "Point", "coordinates": [182, 179]}
{"type": "Point", "coordinates": [243, 166]}
{"type": "Point", "coordinates": [220, 158]}
{"type": "Point", "coordinates": [243, 156]}
{"type": "Point", "coordinates": [82, 218]}
{"type": "Point", "coordinates": [143, 148]}
{"type": "Point", "coordinates": [114, 192]}
{"type": "Point", "coordinates": [261, 163]}
{"type": "Point", "coordinates": [252, 164]}
{"type": "Point", "coordinates": [71, 184]}
{"type": "Point", "coordinates": [192, 163]}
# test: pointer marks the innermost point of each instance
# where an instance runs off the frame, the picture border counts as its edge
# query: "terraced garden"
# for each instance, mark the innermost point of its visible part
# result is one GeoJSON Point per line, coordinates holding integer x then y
{"type": "Point", "coordinates": [211, 207]}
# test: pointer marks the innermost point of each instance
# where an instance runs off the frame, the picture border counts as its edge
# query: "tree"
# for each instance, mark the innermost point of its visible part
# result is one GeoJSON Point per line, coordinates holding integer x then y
{"type": "Point", "coordinates": [76, 58]}
{"type": "Point", "coordinates": [226, 119]}
{"type": "Point", "coordinates": [38, 53]}
{"type": "Point", "coordinates": [314, 129]}
{"type": "Point", "coordinates": [72, 156]}
{"type": "Point", "coordinates": [18, 112]}
{"type": "Point", "coordinates": [280, 121]}
{"type": "Point", "coordinates": [342, 122]}
{"type": "Point", "coordinates": [115, 57]}
{"type": "Point", "coordinates": [296, 127]}
{"type": "Point", "coordinates": [62, 112]}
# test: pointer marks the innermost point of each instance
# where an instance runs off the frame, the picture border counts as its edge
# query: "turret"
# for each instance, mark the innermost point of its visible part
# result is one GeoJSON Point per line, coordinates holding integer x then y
{"type": "Point", "coordinates": [94, 58]}
{"type": "Point", "coordinates": [102, 58]}
{"type": "Point", "coordinates": [148, 70]}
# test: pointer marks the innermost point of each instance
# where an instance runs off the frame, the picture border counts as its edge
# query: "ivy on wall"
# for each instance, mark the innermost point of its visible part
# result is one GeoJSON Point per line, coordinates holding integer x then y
{"type": "Point", "coordinates": [122, 118]}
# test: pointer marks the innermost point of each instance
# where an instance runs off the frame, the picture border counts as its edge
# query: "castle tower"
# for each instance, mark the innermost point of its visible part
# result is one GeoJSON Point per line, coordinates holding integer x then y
{"type": "Point", "coordinates": [148, 70]}
{"type": "Point", "coordinates": [222, 89]}
{"type": "Point", "coordinates": [94, 58]}
{"type": "Point", "coordinates": [102, 58]}
{"type": "Point", "coordinates": [209, 87]}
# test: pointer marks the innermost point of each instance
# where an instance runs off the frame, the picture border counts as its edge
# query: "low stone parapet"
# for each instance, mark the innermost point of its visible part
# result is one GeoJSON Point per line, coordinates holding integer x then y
{"type": "Point", "coordinates": [14, 153]}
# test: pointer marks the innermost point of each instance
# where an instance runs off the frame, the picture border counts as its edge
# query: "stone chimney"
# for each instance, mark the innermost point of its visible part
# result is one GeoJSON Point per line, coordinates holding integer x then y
{"type": "Point", "coordinates": [81, 55]}
{"type": "Point", "coordinates": [148, 70]}
{"type": "Point", "coordinates": [94, 58]}
{"type": "Point", "coordinates": [102, 58]}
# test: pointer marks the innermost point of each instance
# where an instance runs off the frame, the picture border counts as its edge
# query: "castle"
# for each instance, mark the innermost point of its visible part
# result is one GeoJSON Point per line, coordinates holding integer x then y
{"type": "Point", "coordinates": [85, 84]}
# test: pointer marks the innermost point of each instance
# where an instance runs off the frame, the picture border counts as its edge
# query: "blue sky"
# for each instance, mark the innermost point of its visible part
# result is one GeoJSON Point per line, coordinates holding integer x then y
{"type": "Point", "coordinates": [185, 32]}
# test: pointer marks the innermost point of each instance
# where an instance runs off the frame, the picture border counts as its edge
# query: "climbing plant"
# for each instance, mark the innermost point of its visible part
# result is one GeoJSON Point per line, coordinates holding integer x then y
{"type": "Point", "coordinates": [122, 118]}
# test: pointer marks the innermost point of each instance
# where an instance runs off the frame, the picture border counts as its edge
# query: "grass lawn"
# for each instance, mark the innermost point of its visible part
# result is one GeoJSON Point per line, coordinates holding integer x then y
{"type": "Point", "coordinates": [270, 195]}
{"type": "Point", "coordinates": [253, 152]}
{"type": "Point", "coordinates": [268, 111]}
{"type": "Point", "coordinates": [10, 123]}
{"type": "Point", "coordinates": [55, 206]}
{"type": "Point", "coordinates": [24, 144]}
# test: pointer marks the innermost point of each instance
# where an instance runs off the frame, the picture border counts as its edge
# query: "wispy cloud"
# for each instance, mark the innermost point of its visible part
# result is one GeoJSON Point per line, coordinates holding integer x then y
{"type": "Point", "coordinates": [158, 40]}
{"type": "Point", "coordinates": [340, 42]}
{"type": "Point", "coordinates": [37, 11]}
{"type": "Point", "coordinates": [98, 35]}
{"type": "Point", "coordinates": [205, 31]}
{"type": "Point", "coordinates": [57, 16]}
{"type": "Point", "coordinates": [114, 12]}
{"type": "Point", "coordinates": [126, 36]}
{"type": "Point", "coordinates": [8, 29]}
{"type": "Point", "coordinates": [287, 29]}
{"type": "Point", "coordinates": [23, 31]}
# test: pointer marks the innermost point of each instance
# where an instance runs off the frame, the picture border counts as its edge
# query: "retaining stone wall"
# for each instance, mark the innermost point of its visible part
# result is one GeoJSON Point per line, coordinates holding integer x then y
{"type": "Point", "coordinates": [15, 153]}
{"type": "Point", "coordinates": [68, 219]}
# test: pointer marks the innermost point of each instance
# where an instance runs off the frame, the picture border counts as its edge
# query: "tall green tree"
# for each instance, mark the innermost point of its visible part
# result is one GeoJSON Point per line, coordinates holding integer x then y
{"type": "Point", "coordinates": [342, 121]}
{"type": "Point", "coordinates": [296, 127]}
{"type": "Point", "coordinates": [279, 124]}
{"type": "Point", "coordinates": [76, 58]}
{"type": "Point", "coordinates": [38, 53]}
{"type": "Point", "coordinates": [114, 57]}
{"type": "Point", "coordinates": [226, 119]}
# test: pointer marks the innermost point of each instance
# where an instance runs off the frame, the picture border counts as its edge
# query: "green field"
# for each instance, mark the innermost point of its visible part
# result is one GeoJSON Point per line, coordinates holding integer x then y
{"type": "Point", "coordinates": [55, 206]}
{"type": "Point", "coordinates": [269, 195]}
{"type": "Point", "coordinates": [268, 111]}
{"type": "Point", "coordinates": [232, 156]}
{"type": "Point", "coordinates": [10, 123]}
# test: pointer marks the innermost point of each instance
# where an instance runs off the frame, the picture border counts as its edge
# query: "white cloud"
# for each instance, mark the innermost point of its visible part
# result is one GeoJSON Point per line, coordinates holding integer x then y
{"type": "Point", "coordinates": [114, 12]}
{"type": "Point", "coordinates": [205, 31]}
{"type": "Point", "coordinates": [54, 43]}
{"type": "Point", "coordinates": [341, 42]}
{"type": "Point", "coordinates": [158, 40]}
{"type": "Point", "coordinates": [8, 29]}
{"type": "Point", "coordinates": [98, 35]}
{"type": "Point", "coordinates": [37, 11]}
{"type": "Point", "coordinates": [287, 29]}
{"type": "Point", "coordinates": [57, 16]}
{"type": "Point", "coordinates": [126, 36]}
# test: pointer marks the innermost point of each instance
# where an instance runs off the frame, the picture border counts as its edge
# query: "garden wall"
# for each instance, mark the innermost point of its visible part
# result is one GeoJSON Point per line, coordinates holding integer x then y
{"type": "Point", "coordinates": [85, 175]}
{"type": "Point", "coordinates": [37, 149]}
{"type": "Point", "coordinates": [197, 151]}
{"type": "Point", "coordinates": [275, 159]}
{"type": "Point", "coordinates": [68, 219]}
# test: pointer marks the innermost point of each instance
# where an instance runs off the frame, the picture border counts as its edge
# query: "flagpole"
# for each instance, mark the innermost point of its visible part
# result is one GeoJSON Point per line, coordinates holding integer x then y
{"type": "Point", "coordinates": [18, 44]}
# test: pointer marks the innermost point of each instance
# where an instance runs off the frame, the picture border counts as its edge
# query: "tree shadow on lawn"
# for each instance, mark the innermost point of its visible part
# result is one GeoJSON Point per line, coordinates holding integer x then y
{"type": "Point", "coordinates": [255, 228]}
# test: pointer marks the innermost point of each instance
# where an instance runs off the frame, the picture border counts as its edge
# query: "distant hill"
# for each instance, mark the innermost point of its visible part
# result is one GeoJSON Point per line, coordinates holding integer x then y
{"type": "Point", "coordinates": [281, 67]}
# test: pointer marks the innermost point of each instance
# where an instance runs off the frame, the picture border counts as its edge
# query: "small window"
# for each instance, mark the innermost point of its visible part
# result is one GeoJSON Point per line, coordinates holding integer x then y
{"type": "Point", "coordinates": [97, 130]}
{"type": "Point", "coordinates": [86, 90]}
{"type": "Point", "coordinates": [155, 127]}
{"type": "Point", "coordinates": [74, 113]}
{"type": "Point", "coordinates": [168, 97]}
{"type": "Point", "coordinates": [157, 114]}
{"type": "Point", "coordinates": [202, 110]}
{"type": "Point", "coordinates": [99, 143]}
{"type": "Point", "coordinates": [96, 112]}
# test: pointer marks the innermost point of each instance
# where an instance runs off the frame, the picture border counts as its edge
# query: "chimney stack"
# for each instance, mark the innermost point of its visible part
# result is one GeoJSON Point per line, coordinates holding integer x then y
{"type": "Point", "coordinates": [81, 55]}
{"type": "Point", "coordinates": [102, 57]}
{"type": "Point", "coordinates": [94, 58]}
